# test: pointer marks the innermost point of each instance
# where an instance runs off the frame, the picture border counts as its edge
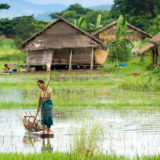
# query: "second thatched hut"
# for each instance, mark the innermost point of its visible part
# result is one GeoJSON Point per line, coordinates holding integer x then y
{"type": "Point", "coordinates": [108, 33]}
{"type": "Point", "coordinates": [154, 48]}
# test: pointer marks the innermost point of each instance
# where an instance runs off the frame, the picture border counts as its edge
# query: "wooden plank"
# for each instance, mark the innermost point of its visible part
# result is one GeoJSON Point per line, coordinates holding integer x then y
{"type": "Point", "coordinates": [37, 134]}
{"type": "Point", "coordinates": [70, 61]}
{"type": "Point", "coordinates": [92, 59]}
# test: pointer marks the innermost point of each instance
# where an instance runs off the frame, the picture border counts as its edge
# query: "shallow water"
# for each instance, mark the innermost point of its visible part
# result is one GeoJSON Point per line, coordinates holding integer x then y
{"type": "Point", "coordinates": [127, 131]}
{"type": "Point", "coordinates": [102, 95]}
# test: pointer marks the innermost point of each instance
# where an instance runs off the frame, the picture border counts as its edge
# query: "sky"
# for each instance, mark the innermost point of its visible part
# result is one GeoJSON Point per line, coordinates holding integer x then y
{"type": "Point", "coordinates": [85, 3]}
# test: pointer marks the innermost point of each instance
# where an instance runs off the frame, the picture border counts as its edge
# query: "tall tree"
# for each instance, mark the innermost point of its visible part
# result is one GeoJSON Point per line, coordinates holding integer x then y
{"type": "Point", "coordinates": [4, 6]}
{"type": "Point", "coordinates": [139, 12]}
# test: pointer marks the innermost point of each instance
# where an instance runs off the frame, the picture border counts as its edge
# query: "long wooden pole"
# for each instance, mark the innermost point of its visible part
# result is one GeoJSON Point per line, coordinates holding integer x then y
{"type": "Point", "coordinates": [92, 59]}
{"type": "Point", "coordinates": [70, 61]}
{"type": "Point", "coordinates": [42, 98]}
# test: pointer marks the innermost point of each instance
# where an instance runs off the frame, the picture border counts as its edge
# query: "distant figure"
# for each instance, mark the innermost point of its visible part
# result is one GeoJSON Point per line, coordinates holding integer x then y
{"type": "Point", "coordinates": [6, 69]}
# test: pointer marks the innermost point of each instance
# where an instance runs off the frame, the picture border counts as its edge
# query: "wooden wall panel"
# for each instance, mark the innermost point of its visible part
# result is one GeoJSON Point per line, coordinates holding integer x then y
{"type": "Point", "coordinates": [39, 58]}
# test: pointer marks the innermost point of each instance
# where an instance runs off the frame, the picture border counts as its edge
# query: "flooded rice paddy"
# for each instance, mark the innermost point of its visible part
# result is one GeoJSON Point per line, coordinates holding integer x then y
{"type": "Point", "coordinates": [126, 131]}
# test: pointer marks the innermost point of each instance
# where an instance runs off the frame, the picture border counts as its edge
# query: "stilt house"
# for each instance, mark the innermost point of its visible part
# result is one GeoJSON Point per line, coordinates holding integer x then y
{"type": "Point", "coordinates": [63, 44]}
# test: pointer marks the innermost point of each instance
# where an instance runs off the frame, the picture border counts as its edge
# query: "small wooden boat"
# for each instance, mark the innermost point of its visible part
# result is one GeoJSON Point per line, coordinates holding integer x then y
{"type": "Point", "coordinates": [28, 118]}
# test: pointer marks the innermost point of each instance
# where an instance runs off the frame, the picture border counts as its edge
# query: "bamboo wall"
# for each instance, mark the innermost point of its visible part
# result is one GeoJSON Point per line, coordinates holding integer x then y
{"type": "Point", "coordinates": [109, 34]}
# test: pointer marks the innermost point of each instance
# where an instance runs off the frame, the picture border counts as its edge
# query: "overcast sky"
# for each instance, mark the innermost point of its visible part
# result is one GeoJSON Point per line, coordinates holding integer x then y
{"type": "Point", "coordinates": [85, 3]}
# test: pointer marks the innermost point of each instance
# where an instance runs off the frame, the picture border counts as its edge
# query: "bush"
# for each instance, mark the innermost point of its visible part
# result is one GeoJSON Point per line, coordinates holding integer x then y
{"type": "Point", "coordinates": [141, 83]}
{"type": "Point", "coordinates": [156, 70]}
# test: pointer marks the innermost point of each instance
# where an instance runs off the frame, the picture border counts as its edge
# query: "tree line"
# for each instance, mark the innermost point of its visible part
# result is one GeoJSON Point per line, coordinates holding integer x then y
{"type": "Point", "coordinates": [144, 14]}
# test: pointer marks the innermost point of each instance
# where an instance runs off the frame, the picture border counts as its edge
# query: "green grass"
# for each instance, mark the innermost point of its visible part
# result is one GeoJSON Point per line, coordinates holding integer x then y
{"type": "Point", "coordinates": [69, 156]}
{"type": "Point", "coordinates": [73, 105]}
{"type": "Point", "coordinates": [73, 93]}
{"type": "Point", "coordinates": [10, 54]}
{"type": "Point", "coordinates": [80, 88]}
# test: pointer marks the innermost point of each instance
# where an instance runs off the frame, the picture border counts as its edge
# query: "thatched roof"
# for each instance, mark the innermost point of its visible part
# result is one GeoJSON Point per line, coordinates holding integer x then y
{"type": "Point", "coordinates": [156, 39]}
{"type": "Point", "coordinates": [149, 46]}
{"type": "Point", "coordinates": [51, 38]}
{"type": "Point", "coordinates": [115, 23]}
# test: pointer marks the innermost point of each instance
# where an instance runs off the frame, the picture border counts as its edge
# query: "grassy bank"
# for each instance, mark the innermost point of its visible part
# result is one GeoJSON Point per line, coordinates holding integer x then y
{"type": "Point", "coordinates": [9, 53]}
{"type": "Point", "coordinates": [69, 156]}
{"type": "Point", "coordinates": [97, 93]}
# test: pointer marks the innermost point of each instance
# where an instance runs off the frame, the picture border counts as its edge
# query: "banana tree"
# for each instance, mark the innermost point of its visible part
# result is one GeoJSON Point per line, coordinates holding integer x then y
{"type": "Point", "coordinates": [121, 48]}
{"type": "Point", "coordinates": [96, 26]}
{"type": "Point", "coordinates": [81, 23]}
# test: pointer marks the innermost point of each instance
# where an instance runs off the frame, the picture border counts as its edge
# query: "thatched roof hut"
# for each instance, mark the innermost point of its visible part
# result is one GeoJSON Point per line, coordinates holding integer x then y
{"type": "Point", "coordinates": [148, 47]}
{"type": "Point", "coordinates": [108, 33]}
{"type": "Point", "coordinates": [61, 43]}
{"type": "Point", "coordinates": [154, 47]}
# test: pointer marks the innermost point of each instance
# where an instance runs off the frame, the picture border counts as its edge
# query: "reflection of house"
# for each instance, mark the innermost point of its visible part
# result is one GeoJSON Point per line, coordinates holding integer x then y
{"type": "Point", "coordinates": [63, 44]}
{"type": "Point", "coordinates": [154, 47]}
{"type": "Point", "coordinates": [108, 33]}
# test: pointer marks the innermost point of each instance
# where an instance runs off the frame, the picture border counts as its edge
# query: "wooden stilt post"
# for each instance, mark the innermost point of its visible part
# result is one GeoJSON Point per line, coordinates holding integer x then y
{"type": "Point", "coordinates": [159, 55]}
{"type": "Point", "coordinates": [28, 67]}
{"type": "Point", "coordinates": [92, 59]}
{"type": "Point", "coordinates": [153, 57]}
{"type": "Point", "coordinates": [70, 61]}
{"type": "Point", "coordinates": [49, 61]}
{"type": "Point", "coordinates": [156, 56]}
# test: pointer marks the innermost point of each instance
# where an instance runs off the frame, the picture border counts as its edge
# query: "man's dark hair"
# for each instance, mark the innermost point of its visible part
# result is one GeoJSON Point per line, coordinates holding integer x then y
{"type": "Point", "coordinates": [41, 81]}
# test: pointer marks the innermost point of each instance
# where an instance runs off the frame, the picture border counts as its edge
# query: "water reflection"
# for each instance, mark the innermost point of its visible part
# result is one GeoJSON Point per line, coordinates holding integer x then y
{"type": "Point", "coordinates": [127, 131]}
{"type": "Point", "coordinates": [30, 141]}
{"type": "Point", "coordinates": [46, 145]}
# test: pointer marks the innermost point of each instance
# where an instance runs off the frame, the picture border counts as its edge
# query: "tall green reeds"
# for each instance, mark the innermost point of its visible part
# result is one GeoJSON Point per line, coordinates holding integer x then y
{"type": "Point", "coordinates": [87, 140]}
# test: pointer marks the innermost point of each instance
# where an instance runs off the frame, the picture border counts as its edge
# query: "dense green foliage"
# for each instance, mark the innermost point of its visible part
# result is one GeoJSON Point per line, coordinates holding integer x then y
{"type": "Point", "coordinates": [20, 28]}
{"type": "Point", "coordinates": [141, 13]}
{"type": "Point", "coordinates": [121, 48]}
{"type": "Point", "coordinates": [91, 18]}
